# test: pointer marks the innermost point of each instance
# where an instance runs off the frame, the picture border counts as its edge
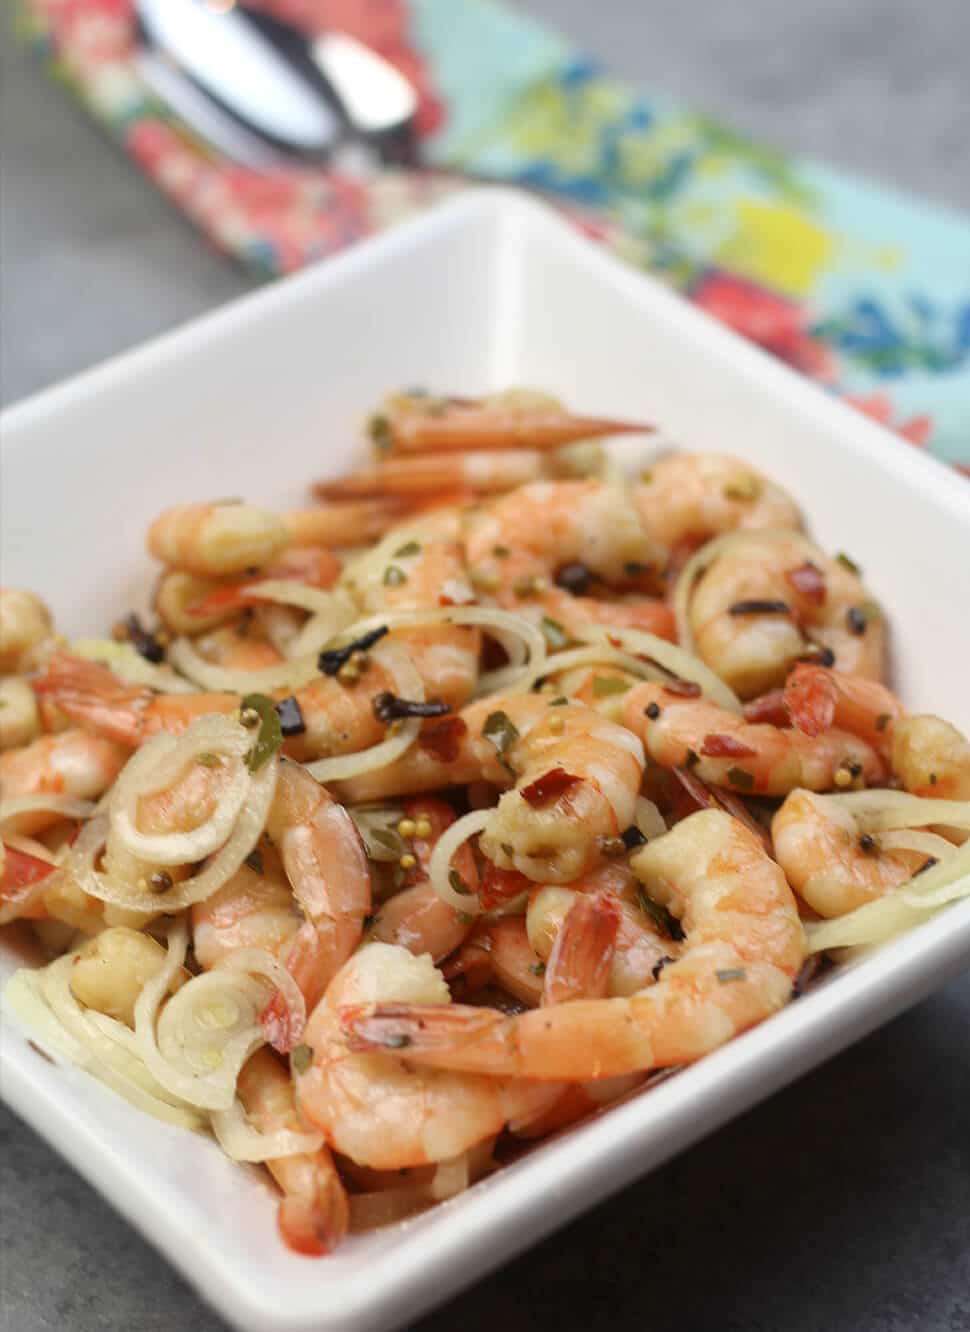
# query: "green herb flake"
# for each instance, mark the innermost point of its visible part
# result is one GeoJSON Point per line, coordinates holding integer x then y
{"type": "Point", "coordinates": [741, 778]}
{"type": "Point", "coordinates": [554, 633]}
{"type": "Point", "coordinates": [379, 429]}
{"type": "Point", "coordinates": [501, 552]}
{"type": "Point", "coordinates": [559, 702]}
{"type": "Point", "coordinates": [208, 760]}
{"type": "Point", "coordinates": [301, 1057]}
{"type": "Point", "coordinates": [731, 974]}
{"type": "Point", "coordinates": [394, 577]}
{"type": "Point", "coordinates": [538, 968]}
{"type": "Point", "coordinates": [745, 488]}
{"type": "Point", "coordinates": [508, 849]}
{"type": "Point", "coordinates": [664, 920]}
{"type": "Point", "coordinates": [464, 918]}
{"type": "Point", "coordinates": [269, 737]}
{"type": "Point", "coordinates": [388, 841]}
{"type": "Point", "coordinates": [606, 686]}
{"type": "Point", "coordinates": [407, 550]}
{"type": "Point", "coordinates": [397, 1040]}
{"type": "Point", "coordinates": [848, 563]}
{"type": "Point", "coordinates": [500, 730]}
{"type": "Point", "coordinates": [458, 883]}
{"type": "Point", "coordinates": [526, 587]}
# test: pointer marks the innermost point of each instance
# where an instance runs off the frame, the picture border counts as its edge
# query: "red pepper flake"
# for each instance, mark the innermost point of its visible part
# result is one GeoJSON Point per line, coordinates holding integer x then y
{"type": "Point", "coordinates": [809, 582]}
{"type": "Point", "coordinates": [497, 886]}
{"type": "Point", "coordinates": [548, 787]}
{"type": "Point", "coordinates": [443, 738]}
{"type": "Point", "coordinates": [703, 796]}
{"type": "Point", "coordinates": [682, 688]}
{"type": "Point", "coordinates": [768, 708]}
{"type": "Point", "coordinates": [725, 746]}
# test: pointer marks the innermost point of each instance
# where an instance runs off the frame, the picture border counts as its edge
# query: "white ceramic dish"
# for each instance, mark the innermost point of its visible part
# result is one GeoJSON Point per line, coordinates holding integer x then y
{"type": "Point", "coordinates": [266, 394]}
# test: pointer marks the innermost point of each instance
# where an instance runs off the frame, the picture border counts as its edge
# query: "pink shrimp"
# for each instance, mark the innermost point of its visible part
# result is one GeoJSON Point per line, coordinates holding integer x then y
{"type": "Point", "coordinates": [73, 763]}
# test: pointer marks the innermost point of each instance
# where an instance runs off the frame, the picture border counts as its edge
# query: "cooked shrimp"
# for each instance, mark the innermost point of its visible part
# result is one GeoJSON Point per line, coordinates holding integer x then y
{"type": "Point", "coordinates": [640, 947]}
{"type": "Point", "coordinates": [931, 758]}
{"type": "Point", "coordinates": [753, 758]}
{"type": "Point", "coordinates": [580, 964]}
{"type": "Point", "coordinates": [575, 614]}
{"type": "Point", "coordinates": [314, 1213]}
{"type": "Point", "coordinates": [743, 947]}
{"type": "Point", "coordinates": [499, 951]}
{"type": "Point", "coordinates": [255, 908]}
{"type": "Point", "coordinates": [25, 622]}
{"type": "Point", "coordinates": [378, 1109]}
{"type": "Point", "coordinates": [338, 525]}
{"type": "Point", "coordinates": [829, 861]}
{"type": "Point", "coordinates": [73, 763]}
{"type": "Point", "coordinates": [327, 868]}
{"type": "Point", "coordinates": [515, 419]}
{"type": "Point", "coordinates": [236, 649]}
{"type": "Point", "coordinates": [818, 698]}
{"type": "Point", "coordinates": [517, 545]}
{"type": "Point", "coordinates": [416, 918]}
{"type": "Point", "coordinates": [312, 566]}
{"type": "Point", "coordinates": [688, 498]}
{"type": "Point", "coordinates": [19, 718]}
{"type": "Point", "coordinates": [430, 474]}
{"type": "Point", "coordinates": [576, 775]}
{"type": "Point", "coordinates": [770, 598]}
{"type": "Point", "coordinates": [213, 539]}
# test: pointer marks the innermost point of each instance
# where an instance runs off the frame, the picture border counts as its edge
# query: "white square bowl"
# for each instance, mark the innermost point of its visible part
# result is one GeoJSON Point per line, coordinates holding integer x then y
{"type": "Point", "coordinates": [266, 394]}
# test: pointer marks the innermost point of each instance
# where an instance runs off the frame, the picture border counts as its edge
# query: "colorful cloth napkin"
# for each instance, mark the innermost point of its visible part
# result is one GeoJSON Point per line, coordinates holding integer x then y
{"type": "Point", "coordinates": [864, 290]}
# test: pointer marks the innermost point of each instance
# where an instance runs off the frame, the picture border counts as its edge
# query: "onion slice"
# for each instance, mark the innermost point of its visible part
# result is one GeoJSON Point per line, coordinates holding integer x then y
{"type": "Point", "coordinates": [70, 807]}
{"type": "Point", "coordinates": [128, 664]}
{"type": "Point", "coordinates": [292, 674]}
{"type": "Point", "coordinates": [677, 661]}
{"type": "Point", "coordinates": [240, 1141]}
{"type": "Point", "coordinates": [439, 868]}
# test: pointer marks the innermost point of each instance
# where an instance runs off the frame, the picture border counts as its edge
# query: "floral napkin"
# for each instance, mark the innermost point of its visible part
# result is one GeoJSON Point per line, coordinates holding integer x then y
{"type": "Point", "coordinates": [864, 290]}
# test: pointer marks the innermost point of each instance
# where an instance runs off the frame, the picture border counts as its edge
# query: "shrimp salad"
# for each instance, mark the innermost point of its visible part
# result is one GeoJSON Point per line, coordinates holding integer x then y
{"type": "Point", "coordinates": [425, 821]}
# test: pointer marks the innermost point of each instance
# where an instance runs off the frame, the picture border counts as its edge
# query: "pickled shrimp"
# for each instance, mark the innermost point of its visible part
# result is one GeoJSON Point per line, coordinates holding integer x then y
{"type": "Point", "coordinates": [25, 623]}
{"type": "Point", "coordinates": [499, 952]}
{"type": "Point", "coordinates": [74, 763]}
{"type": "Point", "coordinates": [830, 861]}
{"type": "Point", "coordinates": [412, 423]}
{"type": "Point", "coordinates": [377, 1108]}
{"type": "Point", "coordinates": [753, 758]}
{"type": "Point", "coordinates": [931, 758]}
{"type": "Point", "coordinates": [313, 1214]}
{"type": "Point", "coordinates": [687, 498]}
{"type": "Point", "coordinates": [213, 539]}
{"type": "Point", "coordinates": [576, 778]}
{"type": "Point", "coordinates": [743, 947]}
{"type": "Point", "coordinates": [767, 599]}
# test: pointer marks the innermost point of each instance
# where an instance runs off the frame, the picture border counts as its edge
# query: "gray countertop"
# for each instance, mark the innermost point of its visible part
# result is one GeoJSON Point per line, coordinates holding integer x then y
{"type": "Point", "coordinates": [843, 1202]}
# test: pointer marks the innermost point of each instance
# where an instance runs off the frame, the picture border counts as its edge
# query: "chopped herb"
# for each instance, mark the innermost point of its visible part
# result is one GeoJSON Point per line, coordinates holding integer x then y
{"type": "Point", "coordinates": [291, 716]}
{"type": "Point", "coordinates": [633, 837]}
{"type": "Point", "coordinates": [269, 736]}
{"type": "Point", "coordinates": [255, 861]}
{"type": "Point", "coordinates": [393, 576]}
{"type": "Point", "coordinates": [646, 476]}
{"type": "Point", "coordinates": [331, 659]}
{"type": "Point", "coordinates": [932, 779]}
{"type": "Point", "coordinates": [606, 686]}
{"type": "Point", "coordinates": [484, 580]}
{"type": "Point", "coordinates": [553, 632]}
{"type": "Point", "coordinates": [573, 577]}
{"type": "Point", "coordinates": [538, 968]}
{"type": "Point", "coordinates": [856, 619]}
{"type": "Point", "coordinates": [508, 849]}
{"type": "Point", "coordinates": [408, 549]}
{"type": "Point", "coordinates": [501, 552]}
{"type": "Point", "coordinates": [501, 730]}
{"type": "Point", "coordinates": [379, 429]}
{"type": "Point", "coordinates": [388, 841]}
{"type": "Point", "coordinates": [558, 702]}
{"type": "Point", "coordinates": [633, 568]}
{"type": "Point", "coordinates": [464, 918]}
{"type": "Point", "coordinates": [731, 974]}
{"type": "Point", "coordinates": [664, 920]}
{"type": "Point", "coordinates": [759, 606]}
{"type": "Point", "coordinates": [458, 883]}
{"type": "Point", "coordinates": [652, 710]}
{"type": "Point", "coordinates": [389, 708]}
{"type": "Point", "coordinates": [146, 644]}
{"type": "Point", "coordinates": [527, 587]}
{"type": "Point", "coordinates": [741, 778]}
{"type": "Point", "coordinates": [882, 721]}
{"type": "Point", "coordinates": [848, 563]}
{"type": "Point", "coordinates": [743, 488]}
{"type": "Point", "coordinates": [208, 760]}
{"type": "Point", "coordinates": [301, 1057]}
{"type": "Point", "coordinates": [397, 1040]}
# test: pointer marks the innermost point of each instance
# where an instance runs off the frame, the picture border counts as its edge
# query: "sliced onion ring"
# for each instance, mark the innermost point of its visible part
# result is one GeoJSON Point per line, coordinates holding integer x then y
{"type": "Point", "coordinates": [70, 807]}
{"type": "Point", "coordinates": [240, 1141]}
{"type": "Point", "coordinates": [677, 660]}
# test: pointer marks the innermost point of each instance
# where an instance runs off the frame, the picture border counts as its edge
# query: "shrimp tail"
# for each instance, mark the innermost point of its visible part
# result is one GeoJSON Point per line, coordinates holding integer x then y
{"type": "Point", "coordinates": [91, 694]}
{"type": "Point", "coordinates": [459, 426]}
{"type": "Point", "coordinates": [582, 956]}
{"type": "Point", "coordinates": [315, 1226]}
{"type": "Point", "coordinates": [431, 1032]}
{"type": "Point", "coordinates": [307, 957]}
{"type": "Point", "coordinates": [811, 698]}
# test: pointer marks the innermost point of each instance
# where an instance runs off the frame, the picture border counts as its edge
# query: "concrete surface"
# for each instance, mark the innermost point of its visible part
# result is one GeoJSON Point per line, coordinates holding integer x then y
{"type": "Point", "coordinates": [842, 1203]}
